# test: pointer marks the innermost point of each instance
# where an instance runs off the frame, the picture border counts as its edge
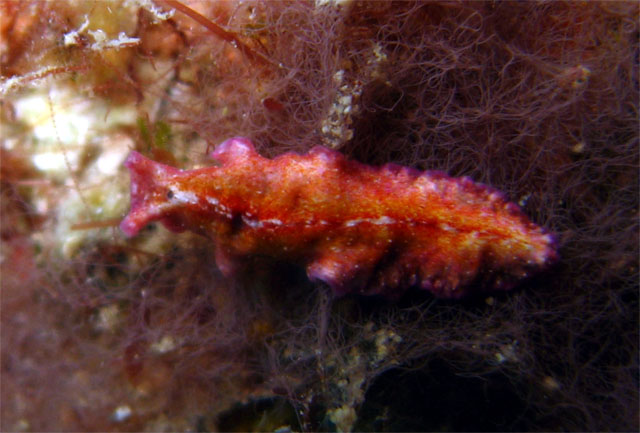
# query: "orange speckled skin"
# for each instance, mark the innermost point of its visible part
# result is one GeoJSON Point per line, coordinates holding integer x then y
{"type": "Point", "coordinates": [359, 229]}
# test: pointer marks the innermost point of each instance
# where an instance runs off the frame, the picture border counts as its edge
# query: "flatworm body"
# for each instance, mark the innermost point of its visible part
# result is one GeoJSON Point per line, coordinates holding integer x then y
{"type": "Point", "coordinates": [359, 229]}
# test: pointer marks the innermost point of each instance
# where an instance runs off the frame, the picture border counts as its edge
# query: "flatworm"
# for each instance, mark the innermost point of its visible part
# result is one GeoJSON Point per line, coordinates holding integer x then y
{"type": "Point", "coordinates": [357, 228]}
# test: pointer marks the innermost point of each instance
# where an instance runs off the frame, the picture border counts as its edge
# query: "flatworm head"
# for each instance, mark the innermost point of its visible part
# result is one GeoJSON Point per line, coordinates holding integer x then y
{"type": "Point", "coordinates": [357, 228]}
{"type": "Point", "coordinates": [151, 193]}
